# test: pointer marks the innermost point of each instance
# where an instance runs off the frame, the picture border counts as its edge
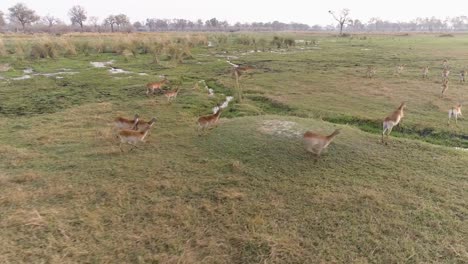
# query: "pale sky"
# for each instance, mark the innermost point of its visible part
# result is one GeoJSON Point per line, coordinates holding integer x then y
{"type": "Point", "coordinates": [303, 11]}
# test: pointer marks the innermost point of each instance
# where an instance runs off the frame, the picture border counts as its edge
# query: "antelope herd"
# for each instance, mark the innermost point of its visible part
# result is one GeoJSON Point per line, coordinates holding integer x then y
{"type": "Point", "coordinates": [133, 131]}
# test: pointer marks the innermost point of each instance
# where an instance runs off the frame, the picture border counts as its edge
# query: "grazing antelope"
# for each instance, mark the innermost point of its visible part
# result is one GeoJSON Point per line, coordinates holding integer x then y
{"type": "Point", "coordinates": [124, 123]}
{"type": "Point", "coordinates": [454, 112]}
{"type": "Point", "coordinates": [132, 137]}
{"type": "Point", "coordinates": [463, 74]}
{"type": "Point", "coordinates": [370, 71]}
{"type": "Point", "coordinates": [445, 86]}
{"type": "Point", "coordinates": [155, 86]}
{"type": "Point", "coordinates": [316, 143]}
{"type": "Point", "coordinates": [425, 72]}
{"type": "Point", "coordinates": [400, 68]}
{"type": "Point", "coordinates": [208, 120]}
{"type": "Point", "coordinates": [171, 95]}
{"type": "Point", "coordinates": [392, 120]}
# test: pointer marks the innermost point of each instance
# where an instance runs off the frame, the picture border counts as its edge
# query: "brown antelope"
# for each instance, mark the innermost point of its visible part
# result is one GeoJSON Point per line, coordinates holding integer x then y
{"type": "Point", "coordinates": [454, 112]}
{"type": "Point", "coordinates": [155, 86]}
{"type": "Point", "coordinates": [445, 73]}
{"type": "Point", "coordinates": [400, 68]}
{"type": "Point", "coordinates": [208, 120]}
{"type": "Point", "coordinates": [142, 125]}
{"type": "Point", "coordinates": [124, 123]}
{"type": "Point", "coordinates": [445, 64]}
{"type": "Point", "coordinates": [316, 143]}
{"type": "Point", "coordinates": [392, 120]}
{"type": "Point", "coordinates": [425, 72]}
{"type": "Point", "coordinates": [132, 137]}
{"type": "Point", "coordinates": [445, 86]}
{"type": "Point", "coordinates": [370, 71]}
{"type": "Point", "coordinates": [463, 74]}
{"type": "Point", "coordinates": [171, 95]}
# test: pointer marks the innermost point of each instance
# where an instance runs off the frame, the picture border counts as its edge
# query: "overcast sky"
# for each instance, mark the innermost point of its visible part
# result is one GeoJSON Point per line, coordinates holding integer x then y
{"type": "Point", "coordinates": [304, 11]}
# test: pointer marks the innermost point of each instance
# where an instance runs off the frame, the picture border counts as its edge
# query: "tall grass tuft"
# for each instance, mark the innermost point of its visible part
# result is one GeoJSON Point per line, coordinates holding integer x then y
{"type": "Point", "coordinates": [3, 50]}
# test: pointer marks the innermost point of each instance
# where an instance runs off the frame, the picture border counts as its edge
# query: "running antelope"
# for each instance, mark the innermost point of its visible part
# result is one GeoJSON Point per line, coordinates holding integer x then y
{"type": "Point", "coordinates": [155, 86]}
{"type": "Point", "coordinates": [445, 86]}
{"type": "Point", "coordinates": [455, 112]}
{"type": "Point", "coordinates": [142, 125]}
{"type": "Point", "coordinates": [316, 143]}
{"type": "Point", "coordinates": [392, 120]}
{"type": "Point", "coordinates": [171, 95]}
{"type": "Point", "coordinates": [370, 71]}
{"type": "Point", "coordinates": [463, 74]}
{"type": "Point", "coordinates": [445, 64]}
{"type": "Point", "coordinates": [425, 72]}
{"type": "Point", "coordinates": [445, 73]}
{"type": "Point", "coordinates": [208, 120]}
{"type": "Point", "coordinates": [400, 68]}
{"type": "Point", "coordinates": [132, 137]}
{"type": "Point", "coordinates": [124, 123]}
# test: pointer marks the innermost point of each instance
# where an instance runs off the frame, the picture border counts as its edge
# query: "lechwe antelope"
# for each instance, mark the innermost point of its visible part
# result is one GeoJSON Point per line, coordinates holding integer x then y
{"type": "Point", "coordinates": [400, 68]}
{"type": "Point", "coordinates": [155, 86]}
{"type": "Point", "coordinates": [454, 112]}
{"type": "Point", "coordinates": [171, 95]}
{"type": "Point", "coordinates": [445, 74]}
{"type": "Point", "coordinates": [445, 86]}
{"type": "Point", "coordinates": [463, 74]}
{"type": "Point", "coordinates": [124, 123]}
{"type": "Point", "coordinates": [445, 64]}
{"type": "Point", "coordinates": [370, 71]}
{"type": "Point", "coordinates": [132, 137]}
{"type": "Point", "coordinates": [425, 72]}
{"type": "Point", "coordinates": [207, 121]}
{"type": "Point", "coordinates": [316, 143]}
{"type": "Point", "coordinates": [392, 120]}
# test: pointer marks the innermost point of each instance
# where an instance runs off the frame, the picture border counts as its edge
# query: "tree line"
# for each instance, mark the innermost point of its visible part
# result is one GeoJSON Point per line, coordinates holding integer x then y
{"type": "Point", "coordinates": [21, 18]}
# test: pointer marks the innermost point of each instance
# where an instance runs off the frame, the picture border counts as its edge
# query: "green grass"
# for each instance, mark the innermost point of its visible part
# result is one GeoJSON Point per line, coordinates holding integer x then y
{"type": "Point", "coordinates": [247, 192]}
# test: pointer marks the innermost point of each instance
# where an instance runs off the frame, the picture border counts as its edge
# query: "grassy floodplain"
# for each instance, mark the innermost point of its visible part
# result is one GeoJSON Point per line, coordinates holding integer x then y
{"type": "Point", "coordinates": [247, 192]}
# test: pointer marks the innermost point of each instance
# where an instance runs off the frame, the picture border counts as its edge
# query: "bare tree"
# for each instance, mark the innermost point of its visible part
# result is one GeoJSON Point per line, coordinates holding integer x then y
{"type": "Point", "coordinates": [122, 20]}
{"type": "Point", "coordinates": [2, 20]}
{"type": "Point", "coordinates": [77, 15]}
{"type": "Point", "coordinates": [22, 14]}
{"type": "Point", "coordinates": [50, 21]}
{"type": "Point", "coordinates": [341, 18]}
{"type": "Point", "coordinates": [94, 22]}
{"type": "Point", "coordinates": [111, 21]}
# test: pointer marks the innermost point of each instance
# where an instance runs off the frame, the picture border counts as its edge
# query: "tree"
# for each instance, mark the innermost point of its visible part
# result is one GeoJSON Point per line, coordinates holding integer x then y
{"type": "Point", "coordinates": [111, 21]}
{"type": "Point", "coordinates": [94, 22]}
{"type": "Point", "coordinates": [341, 18]}
{"type": "Point", "coordinates": [22, 14]}
{"type": "Point", "coordinates": [50, 21]}
{"type": "Point", "coordinates": [122, 20]}
{"type": "Point", "coordinates": [77, 15]}
{"type": "Point", "coordinates": [2, 20]}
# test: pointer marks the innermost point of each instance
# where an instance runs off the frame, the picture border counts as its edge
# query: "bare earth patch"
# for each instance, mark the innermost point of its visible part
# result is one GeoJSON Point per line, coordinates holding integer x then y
{"type": "Point", "coordinates": [280, 128]}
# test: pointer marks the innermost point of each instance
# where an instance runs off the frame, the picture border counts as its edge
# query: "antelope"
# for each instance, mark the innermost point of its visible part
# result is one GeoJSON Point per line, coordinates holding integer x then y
{"type": "Point", "coordinates": [445, 86]}
{"type": "Point", "coordinates": [425, 72]}
{"type": "Point", "coordinates": [208, 120]}
{"type": "Point", "coordinates": [132, 137]}
{"type": "Point", "coordinates": [392, 120]}
{"type": "Point", "coordinates": [123, 123]}
{"type": "Point", "coordinates": [142, 125]}
{"type": "Point", "coordinates": [370, 71]}
{"type": "Point", "coordinates": [155, 86]}
{"type": "Point", "coordinates": [454, 112]}
{"type": "Point", "coordinates": [445, 63]}
{"type": "Point", "coordinates": [400, 68]}
{"type": "Point", "coordinates": [171, 95]}
{"type": "Point", "coordinates": [316, 143]}
{"type": "Point", "coordinates": [445, 73]}
{"type": "Point", "coordinates": [463, 74]}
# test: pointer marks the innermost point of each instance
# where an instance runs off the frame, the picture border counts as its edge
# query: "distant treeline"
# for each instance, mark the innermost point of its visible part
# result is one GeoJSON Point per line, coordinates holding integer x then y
{"type": "Point", "coordinates": [20, 18]}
